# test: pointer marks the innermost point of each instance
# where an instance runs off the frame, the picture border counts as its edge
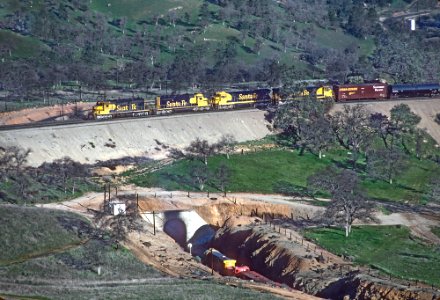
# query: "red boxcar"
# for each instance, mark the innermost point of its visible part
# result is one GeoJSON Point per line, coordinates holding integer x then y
{"type": "Point", "coordinates": [350, 92]}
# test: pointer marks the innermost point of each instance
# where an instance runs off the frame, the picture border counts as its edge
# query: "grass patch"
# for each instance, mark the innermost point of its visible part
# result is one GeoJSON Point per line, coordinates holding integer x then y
{"type": "Point", "coordinates": [20, 46]}
{"type": "Point", "coordinates": [28, 232]}
{"type": "Point", "coordinates": [436, 231]}
{"type": "Point", "coordinates": [81, 263]}
{"type": "Point", "coordinates": [388, 248]}
{"type": "Point", "coordinates": [252, 172]}
{"type": "Point", "coordinates": [38, 192]}
{"type": "Point", "coordinates": [408, 187]}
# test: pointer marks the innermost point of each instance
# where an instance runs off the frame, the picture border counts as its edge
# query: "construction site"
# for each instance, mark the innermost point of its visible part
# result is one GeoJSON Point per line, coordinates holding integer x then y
{"type": "Point", "coordinates": [257, 238]}
{"type": "Point", "coordinates": [258, 231]}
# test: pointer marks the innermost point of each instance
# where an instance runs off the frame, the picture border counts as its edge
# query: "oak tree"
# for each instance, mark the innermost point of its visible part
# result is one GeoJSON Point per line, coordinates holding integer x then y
{"type": "Point", "coordinates": [347, 200]}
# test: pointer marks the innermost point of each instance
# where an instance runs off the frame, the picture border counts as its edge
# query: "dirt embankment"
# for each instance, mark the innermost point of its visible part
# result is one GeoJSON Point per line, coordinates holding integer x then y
{"type": "Point", "coordinates": [283, 256]}
{"type": "Point", "coordinates": [30, 115]}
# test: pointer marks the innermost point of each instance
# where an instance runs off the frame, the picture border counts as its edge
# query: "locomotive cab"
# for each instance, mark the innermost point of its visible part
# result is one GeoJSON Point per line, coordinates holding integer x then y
{"type": "Point", "coordinates": [320, 92]}
{"type": "Point", "coordinates": [103, 109]}
{"type": "Point", "coordinates": [199, 100]}
{"type": "Point", "coordinates": [221, 99]}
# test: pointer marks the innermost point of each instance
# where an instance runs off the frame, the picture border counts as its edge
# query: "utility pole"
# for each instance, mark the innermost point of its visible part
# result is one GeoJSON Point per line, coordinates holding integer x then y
{"type": "Point", "coordinates": [154, 224]}
{"type": "Point", "coordinates": [212, 262]}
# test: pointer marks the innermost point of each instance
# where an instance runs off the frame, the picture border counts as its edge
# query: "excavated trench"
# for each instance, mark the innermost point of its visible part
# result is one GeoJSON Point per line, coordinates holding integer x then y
{"type": "Point", "coordinates": [284, 260]}
{"type": "Point", "coordinates": [278, 252]}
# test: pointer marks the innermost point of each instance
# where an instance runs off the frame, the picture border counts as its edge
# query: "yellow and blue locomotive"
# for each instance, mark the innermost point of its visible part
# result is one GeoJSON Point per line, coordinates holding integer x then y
{"type": "Point", "coordinates": [136, 107]}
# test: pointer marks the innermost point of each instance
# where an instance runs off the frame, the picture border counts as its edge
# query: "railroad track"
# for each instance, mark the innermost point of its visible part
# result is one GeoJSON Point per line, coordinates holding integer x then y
{"type": "Point", "coordinates": [114, 120]}
{"type": "Point", "coordinates": [75, 122]}
{"type": "Point", "coordinates": [420, 99]}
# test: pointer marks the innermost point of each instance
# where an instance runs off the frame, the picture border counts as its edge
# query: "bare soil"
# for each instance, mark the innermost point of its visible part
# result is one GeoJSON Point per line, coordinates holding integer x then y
{"type": "Point", "coordinates": [31, 115]}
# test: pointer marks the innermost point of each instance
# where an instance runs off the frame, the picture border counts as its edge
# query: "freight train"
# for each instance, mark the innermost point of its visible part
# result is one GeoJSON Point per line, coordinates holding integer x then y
{"type": "Point", "coordinates": [136, 107]}
{"type": "Point", "coordinates": [258, 98]}
{"type": "Point", "coordinates": [227, 267]}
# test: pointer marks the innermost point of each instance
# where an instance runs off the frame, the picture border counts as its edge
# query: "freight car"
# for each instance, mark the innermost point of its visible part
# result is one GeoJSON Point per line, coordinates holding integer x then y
{"type": "Point", "coordinates": [351, 92]}
{"type": "Point", "coordinates": [414, 90]}
{"type": "Point", "coordinates": [372, 91]}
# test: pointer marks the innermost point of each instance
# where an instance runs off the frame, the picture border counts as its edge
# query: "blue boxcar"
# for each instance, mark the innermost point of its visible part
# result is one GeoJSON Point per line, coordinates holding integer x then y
{"type": "Point", "coordinates": [414, 90]}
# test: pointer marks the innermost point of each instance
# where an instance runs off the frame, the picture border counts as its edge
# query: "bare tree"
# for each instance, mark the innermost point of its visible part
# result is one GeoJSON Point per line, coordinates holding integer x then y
{"type": "Point", "coordinates": [381, 126]}
{"type": "Point", "coordinates": [223, 176]}
{"type": "Point", "coordinates": [226, 144]}
{"type": "Point", "coordinates": [66, 169]}
{"type": "Point", "coordinates": [200, 149]}
{"type": "Point", "coordinates": [385, 163]}
{"type": "Point", "coordinates": [352, 129]}
{"type": "Point", "coordinates": [347, 203]}
{"type": "Point", "coordinates": [200, 174]}
{"type": "Point", "coordinates": [12, 159]}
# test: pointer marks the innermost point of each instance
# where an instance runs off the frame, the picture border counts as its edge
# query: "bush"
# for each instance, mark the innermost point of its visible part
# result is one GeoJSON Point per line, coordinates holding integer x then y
{"type": "Point", "coordinates": [437, 118]}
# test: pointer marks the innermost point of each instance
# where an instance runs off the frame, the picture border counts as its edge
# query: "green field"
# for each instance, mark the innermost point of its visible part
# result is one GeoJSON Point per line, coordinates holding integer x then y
{"type": "Point", "coordinates": [252, 172]}
{"type": "Point", "coordinates": [259, 172]}
{"type": "Point", "coordinates": [389, 249]}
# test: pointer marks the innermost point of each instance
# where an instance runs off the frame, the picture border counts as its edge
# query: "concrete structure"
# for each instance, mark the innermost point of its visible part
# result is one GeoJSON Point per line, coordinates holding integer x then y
{"type": "Point", "coordinates": [185, 227]}
{"type": "Point", "coordinates": [88, 143]}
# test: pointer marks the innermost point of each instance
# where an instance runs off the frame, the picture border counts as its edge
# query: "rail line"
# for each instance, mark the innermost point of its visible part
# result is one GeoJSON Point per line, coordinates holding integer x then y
{"type": "Point", "coordinates": [43, 124]}
{"type": "Point", "coordinates": [113, 120]}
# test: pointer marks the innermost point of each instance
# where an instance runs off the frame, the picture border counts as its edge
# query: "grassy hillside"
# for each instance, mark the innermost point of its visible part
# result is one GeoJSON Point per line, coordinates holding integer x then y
{"type": "Point", "coordinates": [138, 10]}
{"type": "Point", "coordinates": [142, 44]}
{"type": "Point", "coordinates": [20, 46]}
{"type": "Point", "coordinates": [28, 232]}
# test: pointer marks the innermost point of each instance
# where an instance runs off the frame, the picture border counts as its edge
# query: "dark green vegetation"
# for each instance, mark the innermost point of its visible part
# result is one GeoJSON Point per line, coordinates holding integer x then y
{"type": "Point", "coordinates": [390, 249]}
{"type": "Point", "coordinates": [144, 45]}
{"type": "Point", "coordinates": [436, 231]}
{"type": "Point", "coordinates": [49, 254]}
